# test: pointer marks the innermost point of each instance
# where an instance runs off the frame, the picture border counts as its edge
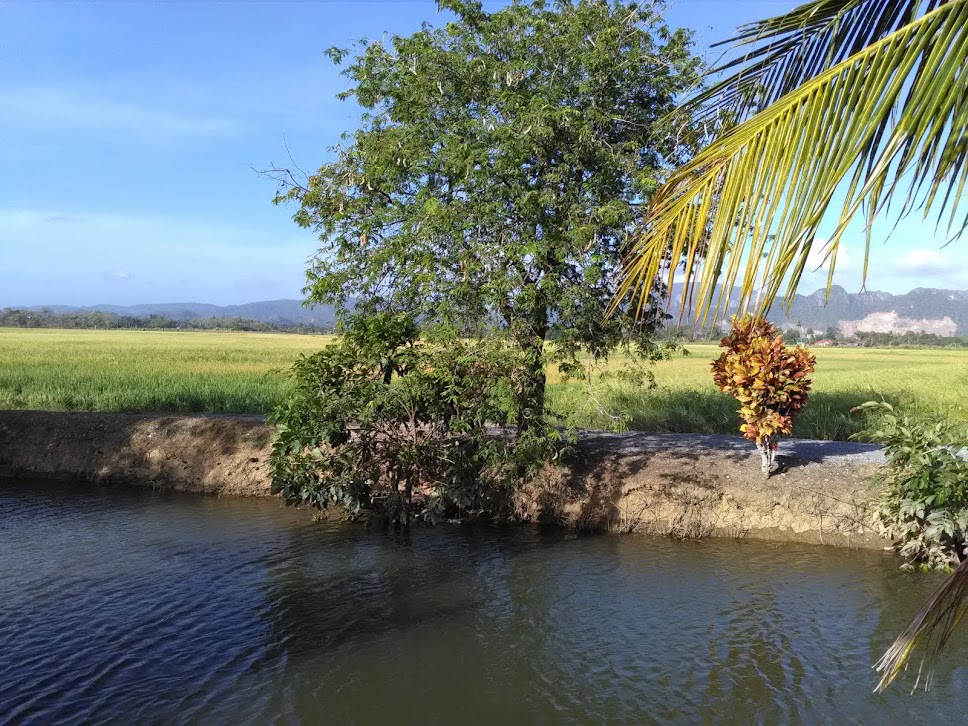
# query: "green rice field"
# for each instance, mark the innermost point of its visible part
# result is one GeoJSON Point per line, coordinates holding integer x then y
{"type": "Point", "coordinates": [226, 372]}
{"type": "Point", "coordinates": [925, 383]}
{"type": "Point", "coordinates": [145, 370]}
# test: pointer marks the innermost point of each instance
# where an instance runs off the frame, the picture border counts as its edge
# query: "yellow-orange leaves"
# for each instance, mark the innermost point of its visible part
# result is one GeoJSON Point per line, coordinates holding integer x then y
{"type": "Point", "coordinates": [767, 378]}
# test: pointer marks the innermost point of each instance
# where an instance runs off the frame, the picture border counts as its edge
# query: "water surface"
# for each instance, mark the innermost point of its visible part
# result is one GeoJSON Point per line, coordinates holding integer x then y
{"type": "Point", "coordinates": [128, 605]}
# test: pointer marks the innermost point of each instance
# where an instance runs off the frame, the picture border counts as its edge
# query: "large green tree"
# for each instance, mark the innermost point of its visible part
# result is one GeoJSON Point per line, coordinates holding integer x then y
{"type": "Point", "coordinates": [864, 97]}
{"type": "Point", "coordinates": [497, 166]}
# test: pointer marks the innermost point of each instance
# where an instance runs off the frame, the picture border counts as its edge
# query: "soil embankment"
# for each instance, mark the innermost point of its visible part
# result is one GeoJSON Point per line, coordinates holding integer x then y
{"type": "Point", "coordinates": [210, 454]}
{"type": "Point", "coordinates": [689, 485]}
{"type": "Point", "coordinates": [682, 485]}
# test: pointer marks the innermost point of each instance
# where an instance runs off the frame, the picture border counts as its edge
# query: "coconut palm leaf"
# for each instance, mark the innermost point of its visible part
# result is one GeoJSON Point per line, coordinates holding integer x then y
{"type": "Point", "coordinates": [931, 628]}
{"type": "Point", "coordinates": [885, 122]}
{"type": "Point", "coordinates": [790, 49]}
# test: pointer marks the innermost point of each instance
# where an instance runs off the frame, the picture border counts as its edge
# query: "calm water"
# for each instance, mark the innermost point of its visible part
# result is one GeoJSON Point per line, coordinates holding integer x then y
{"type": "Point", "coordinates": [131, 606]}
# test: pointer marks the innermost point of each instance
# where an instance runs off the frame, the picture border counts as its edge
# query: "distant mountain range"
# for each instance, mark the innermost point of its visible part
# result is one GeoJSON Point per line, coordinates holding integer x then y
{"type": "Point", "coordinates": [284, 312]}
{"type": "Point", "coordinates": [943, 312]}
{"type": "Point", "coordinates": [927, 310]}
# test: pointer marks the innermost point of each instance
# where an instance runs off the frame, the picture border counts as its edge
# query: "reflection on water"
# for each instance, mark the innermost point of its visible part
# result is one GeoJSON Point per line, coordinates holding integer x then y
{"type": "Point", "coordinates": [141, 606]}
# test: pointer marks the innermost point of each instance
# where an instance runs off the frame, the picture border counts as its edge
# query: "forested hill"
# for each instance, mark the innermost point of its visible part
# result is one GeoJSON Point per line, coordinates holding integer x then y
{"type": "Point", "coordinates": [943, 312]}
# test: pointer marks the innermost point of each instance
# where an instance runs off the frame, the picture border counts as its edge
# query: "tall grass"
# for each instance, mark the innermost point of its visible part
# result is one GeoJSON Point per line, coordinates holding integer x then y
{"type": "Point", "coordinates": [133, 370]}
{"type": "Point", "coordinates": [926, 383]}
{"type": "Point", "coordinates": [164, 371]}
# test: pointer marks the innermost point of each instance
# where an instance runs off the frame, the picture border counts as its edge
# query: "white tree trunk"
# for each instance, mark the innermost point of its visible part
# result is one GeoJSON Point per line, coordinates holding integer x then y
{"type": "Point", "coordinates": [767, 448]}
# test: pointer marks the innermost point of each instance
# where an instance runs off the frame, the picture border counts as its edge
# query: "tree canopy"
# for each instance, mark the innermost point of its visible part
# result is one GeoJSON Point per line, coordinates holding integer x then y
{"type": "Point", "coordinates": [498, 164]}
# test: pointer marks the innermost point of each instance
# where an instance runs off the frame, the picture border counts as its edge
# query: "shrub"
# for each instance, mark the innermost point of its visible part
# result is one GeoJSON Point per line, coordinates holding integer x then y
{"type": "Point", "coordinates": [387, 412]}
{"type": "Point", "coordinates": [768, 379]}
{"type": "Point", "coordinates": [924, 508]}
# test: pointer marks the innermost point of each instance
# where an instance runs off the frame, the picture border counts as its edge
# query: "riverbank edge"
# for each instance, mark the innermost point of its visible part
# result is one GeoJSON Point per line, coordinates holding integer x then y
{"type": "Point", "coordinates": [670, 484]}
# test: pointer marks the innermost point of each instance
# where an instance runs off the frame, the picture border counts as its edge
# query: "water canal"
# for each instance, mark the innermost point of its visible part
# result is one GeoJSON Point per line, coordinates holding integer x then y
{"type": "Point", "coordinates": [131, 606]}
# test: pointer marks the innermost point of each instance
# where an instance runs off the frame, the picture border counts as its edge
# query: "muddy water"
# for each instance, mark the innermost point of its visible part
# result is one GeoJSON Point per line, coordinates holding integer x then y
{"type": "Point", "coordinates": [132, 606]}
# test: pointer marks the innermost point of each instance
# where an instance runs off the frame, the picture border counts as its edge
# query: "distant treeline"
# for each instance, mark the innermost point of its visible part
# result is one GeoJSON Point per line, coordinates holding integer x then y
{"type": "Point", "coordinates": [909, 340]}
{"type": "Point", "coordinates": [96, 319]}
{"type": "Point", "coordinates": [862, 339]}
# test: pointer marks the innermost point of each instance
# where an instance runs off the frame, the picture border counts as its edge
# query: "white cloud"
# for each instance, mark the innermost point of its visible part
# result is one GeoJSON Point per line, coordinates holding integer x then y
{"type": "Point", "coordinates": [817, 260]}
{"type": "Point", "coordinates": [945, 267]}
{"type": "Point", "coordinates": [924, 262]}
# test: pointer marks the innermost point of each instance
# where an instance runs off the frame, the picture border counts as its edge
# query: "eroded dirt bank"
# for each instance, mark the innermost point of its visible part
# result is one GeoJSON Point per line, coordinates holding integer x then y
{"type": "Point", "coordinates": [683, 485]}
{"type": "Point", "coordinates": [211, 454]}
{"type": "Point", "coordinates": [701, 486]}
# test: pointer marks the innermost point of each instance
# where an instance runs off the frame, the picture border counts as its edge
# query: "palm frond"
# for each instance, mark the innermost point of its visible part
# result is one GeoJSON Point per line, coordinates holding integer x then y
{"type": "Point", "coordinates": [788, 50]}
{"type": "Point", "coordinates": [890, 117]}
{"type": "Point", "coordinates": [931, 628]}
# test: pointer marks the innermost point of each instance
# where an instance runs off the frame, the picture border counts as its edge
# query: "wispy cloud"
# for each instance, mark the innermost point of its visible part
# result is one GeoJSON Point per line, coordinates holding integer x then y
{"type": "Point", "coordinates": [924, 262]}
{"type": "Point", "coordinates": [819, 262]}
{"type": "Point", "coordinates": [163, 106]}
{"type": "Point", "coordinates": [932, 267]}
{"type": "Point", "coordinates": [817, 269]}
{"type": "Point", "coordinates": [56, 257]}
{"type": "Point", "coordinates": [79, 107]}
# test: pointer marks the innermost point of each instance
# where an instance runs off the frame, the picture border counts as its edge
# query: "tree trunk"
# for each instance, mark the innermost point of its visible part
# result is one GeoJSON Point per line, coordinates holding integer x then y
{"type": "Point", "coordinates": [531, 403]}
{"type": "Point", "coordinates": [408, 502]}
{"type": "Point", "coordinates": [531, 339]}
{"type": "Point", "coordinates": [767, 448]}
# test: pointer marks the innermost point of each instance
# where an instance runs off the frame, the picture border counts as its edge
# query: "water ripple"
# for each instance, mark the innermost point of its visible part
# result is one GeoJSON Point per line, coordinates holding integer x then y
{"type": "Point", "coordinates": [128, 606]}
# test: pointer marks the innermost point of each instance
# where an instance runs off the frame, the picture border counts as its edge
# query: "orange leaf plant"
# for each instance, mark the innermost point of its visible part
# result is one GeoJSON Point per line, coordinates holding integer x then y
{"type": "Point", "coordinates": [769, 379]}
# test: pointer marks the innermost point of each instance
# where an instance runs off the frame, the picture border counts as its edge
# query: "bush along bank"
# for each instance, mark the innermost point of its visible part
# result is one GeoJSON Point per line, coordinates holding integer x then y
{"type": "Point", "coordinates": [768, 379]}
{"type": "Point", "coordinates": [924, 504]}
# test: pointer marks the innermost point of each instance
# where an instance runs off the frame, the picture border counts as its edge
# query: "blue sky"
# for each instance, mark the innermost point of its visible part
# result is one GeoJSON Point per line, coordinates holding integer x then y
{"type": "Point", "coordinates": [128, 132]}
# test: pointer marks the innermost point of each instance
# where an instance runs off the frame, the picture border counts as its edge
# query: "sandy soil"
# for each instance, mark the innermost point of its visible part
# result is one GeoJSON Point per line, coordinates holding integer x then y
{"type": "Point", "coordinates": [679, 485]}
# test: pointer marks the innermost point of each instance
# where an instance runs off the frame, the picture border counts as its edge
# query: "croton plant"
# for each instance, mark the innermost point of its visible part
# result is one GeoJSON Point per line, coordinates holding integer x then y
{"type": "Point", "coordinates": [769, 379]}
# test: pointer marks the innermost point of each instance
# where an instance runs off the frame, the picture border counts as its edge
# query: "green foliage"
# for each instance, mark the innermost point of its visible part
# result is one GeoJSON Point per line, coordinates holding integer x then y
{"type": "Point", "coordinates": [222, 372]}
{"type": "Point", "coordinates": [925, 503]}
{"type": "Point", "coordinates": [767, 378]}
{"type": "Point", "coordinates": [386, 413]}
{"type": "Point", "coordinates": [604, 393]}
{"type": "Point", "coordinates": [496, 168]}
